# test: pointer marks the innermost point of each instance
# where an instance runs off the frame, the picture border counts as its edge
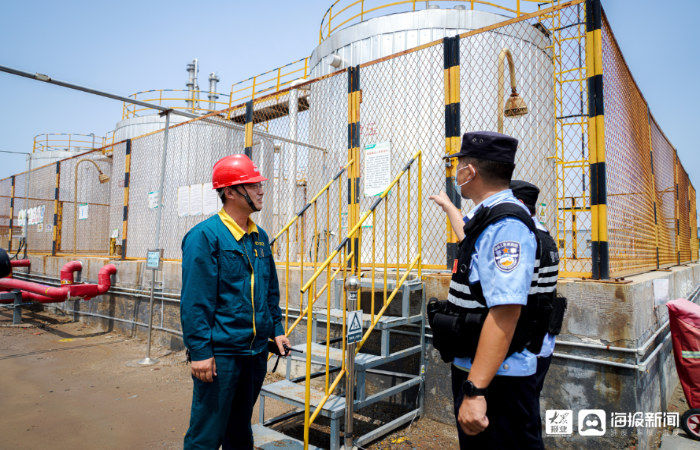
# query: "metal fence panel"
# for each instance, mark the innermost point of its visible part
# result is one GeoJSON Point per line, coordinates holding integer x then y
{"type": "Point", "coordinates": [665, 192]}
{"type": "Point", "coordinates": [93, 203]}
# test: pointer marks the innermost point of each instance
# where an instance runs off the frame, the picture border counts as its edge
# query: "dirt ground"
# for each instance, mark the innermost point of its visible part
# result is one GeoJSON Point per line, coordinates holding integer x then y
{"type": "Point", "coordinates": [68, 385]}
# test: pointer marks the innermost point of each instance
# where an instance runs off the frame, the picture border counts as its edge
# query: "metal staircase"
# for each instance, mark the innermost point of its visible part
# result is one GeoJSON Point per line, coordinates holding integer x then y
{"type": "Point", "coordinates": [388, 361]}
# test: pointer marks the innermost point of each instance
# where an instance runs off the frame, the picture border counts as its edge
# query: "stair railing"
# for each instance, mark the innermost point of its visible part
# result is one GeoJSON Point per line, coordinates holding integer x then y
{"type": "Point", "coordinates": [406, 239]}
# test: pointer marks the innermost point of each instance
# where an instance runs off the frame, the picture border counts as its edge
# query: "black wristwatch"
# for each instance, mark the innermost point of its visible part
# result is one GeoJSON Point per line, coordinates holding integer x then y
{"type": "Point", "coordinates": [472, 391]}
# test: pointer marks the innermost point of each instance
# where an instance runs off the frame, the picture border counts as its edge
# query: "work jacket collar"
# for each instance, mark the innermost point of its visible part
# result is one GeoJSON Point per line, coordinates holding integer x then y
{"type": "Point", "coordinates": [234, 228]}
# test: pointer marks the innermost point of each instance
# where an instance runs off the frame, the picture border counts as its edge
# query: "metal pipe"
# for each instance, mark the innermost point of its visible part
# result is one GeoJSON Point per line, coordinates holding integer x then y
{"type": "Point", "coordinates": [190, 84]}
{"type": "Point", "coordinates": [352, 286]}
{"type": "Point", "coordinates": [68, 270]}
{"type": "Point", "coordinates": [213, 95]}
{"type": "Point", "coordinates": [26, 202]}
{"type": "Point", "coordinates": [21, 263]}
{"type": "Point", "coordinates": [87, 291]}
{"type": "Point", "coordinates": [147, 361]}
{"type": "Point", "coordinates": [141, 293]}
{"type": "Point", "coordinates": [227, 124]}
{"type": "Point", "coordinates": [133, 322]}
{"type": "Point", "coordinates": [515, 105]}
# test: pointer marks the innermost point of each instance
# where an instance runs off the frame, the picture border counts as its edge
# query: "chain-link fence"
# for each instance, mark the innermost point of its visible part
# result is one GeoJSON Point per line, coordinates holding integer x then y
{"type": "Point", "coordinates": [649, 216]}
{"type": "Point", "coordinates": [614, 193]}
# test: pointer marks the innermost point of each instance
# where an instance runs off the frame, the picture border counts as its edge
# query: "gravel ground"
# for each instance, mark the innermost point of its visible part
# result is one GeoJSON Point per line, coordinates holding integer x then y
{"type": "Point", "coordinates": [69, 385]}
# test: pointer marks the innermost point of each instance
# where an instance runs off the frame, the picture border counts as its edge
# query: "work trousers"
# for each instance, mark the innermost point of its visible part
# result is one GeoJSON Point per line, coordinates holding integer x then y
{"type": "Point", "coordinates": [222, 410]}
{"type": "Point", "coordinates": [512, 409]}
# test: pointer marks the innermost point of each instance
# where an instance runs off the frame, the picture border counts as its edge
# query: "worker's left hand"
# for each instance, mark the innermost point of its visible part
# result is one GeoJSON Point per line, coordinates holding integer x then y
{"type": "Point", "coordinates": [281, 341]}
{"type": "Point", "coordinates": [472, 415]}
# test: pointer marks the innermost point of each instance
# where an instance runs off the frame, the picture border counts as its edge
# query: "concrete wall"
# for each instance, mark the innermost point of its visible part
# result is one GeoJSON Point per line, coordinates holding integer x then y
{"type": "Point", "coordinates": [617, 314]}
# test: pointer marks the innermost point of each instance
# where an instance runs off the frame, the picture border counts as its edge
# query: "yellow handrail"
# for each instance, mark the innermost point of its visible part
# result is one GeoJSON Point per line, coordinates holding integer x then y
{"type": "Point", "coordinates": [355, 9]}
{"type": "Point", "coordinates": [309, 287]}
{"type": "Point", "coordinates": [180, 99]}
{"type": "Point", "coordinates": [359, 224]}
{"type": "Point", "coordinates": [67, 142]}
{"type": "Point", "coordinates": [313, 200]}
{"type": "Point", "coordinates": [279, 78]}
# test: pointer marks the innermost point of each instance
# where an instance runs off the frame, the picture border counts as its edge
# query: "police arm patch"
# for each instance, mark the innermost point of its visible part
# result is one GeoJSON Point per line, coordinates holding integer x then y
{"type": "Point", "coordinates": [507, 255]}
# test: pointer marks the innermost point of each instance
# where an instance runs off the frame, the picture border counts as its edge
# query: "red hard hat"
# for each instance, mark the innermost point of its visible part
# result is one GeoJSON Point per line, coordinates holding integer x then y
{"type": "Point", "coordinates": [235, 169]}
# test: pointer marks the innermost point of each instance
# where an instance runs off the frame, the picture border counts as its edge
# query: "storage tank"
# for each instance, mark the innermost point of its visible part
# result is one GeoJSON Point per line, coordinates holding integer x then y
{"type": "Point", "coordinates": [403, 100]}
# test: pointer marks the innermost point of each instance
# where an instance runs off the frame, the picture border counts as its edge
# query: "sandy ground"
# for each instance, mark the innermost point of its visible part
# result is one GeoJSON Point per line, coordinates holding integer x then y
{"type": "Point", "coordinates": [68, 385]}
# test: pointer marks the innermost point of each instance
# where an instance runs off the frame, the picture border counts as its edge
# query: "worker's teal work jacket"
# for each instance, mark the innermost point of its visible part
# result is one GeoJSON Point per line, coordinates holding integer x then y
{"type": "Point", "coordinates": [230, 293]}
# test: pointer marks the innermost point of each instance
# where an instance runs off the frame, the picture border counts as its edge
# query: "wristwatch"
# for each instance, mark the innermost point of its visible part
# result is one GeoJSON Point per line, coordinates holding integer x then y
{"type": "Point", "coordinates": [472, 391]}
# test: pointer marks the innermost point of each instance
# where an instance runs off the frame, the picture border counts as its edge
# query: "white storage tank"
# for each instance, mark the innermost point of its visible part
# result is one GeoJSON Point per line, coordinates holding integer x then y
{"type": "Point", "coordinates": [403, 100]}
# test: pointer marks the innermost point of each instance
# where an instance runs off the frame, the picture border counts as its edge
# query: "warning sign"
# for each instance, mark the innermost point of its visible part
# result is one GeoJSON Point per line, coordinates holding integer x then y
{"type": "Point", "coordinates": [354, 326]}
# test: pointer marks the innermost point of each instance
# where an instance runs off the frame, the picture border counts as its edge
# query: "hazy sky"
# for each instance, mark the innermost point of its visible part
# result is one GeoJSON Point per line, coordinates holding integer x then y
{"type": "Point", "coordinates": [129, 46]}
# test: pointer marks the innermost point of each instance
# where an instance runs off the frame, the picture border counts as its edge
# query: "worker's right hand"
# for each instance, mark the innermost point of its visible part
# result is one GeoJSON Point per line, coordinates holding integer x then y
{"type": "Point", "coordinates": [204, 370]}
{"type": "Point", "coordinates": [442, 200]}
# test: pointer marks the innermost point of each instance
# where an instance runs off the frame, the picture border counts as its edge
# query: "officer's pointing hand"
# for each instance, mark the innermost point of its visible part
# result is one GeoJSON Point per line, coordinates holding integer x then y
{"type": "Point", "coordinates": [204, 370]}
{"type": "Point", "coordinates": [442, 200]}
{"type": "Point", "coordinates": [472, 415]}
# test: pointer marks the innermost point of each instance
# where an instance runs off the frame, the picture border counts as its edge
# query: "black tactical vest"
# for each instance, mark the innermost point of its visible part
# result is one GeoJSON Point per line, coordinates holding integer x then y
{"type": "Point", "coordinates": [469, 297]}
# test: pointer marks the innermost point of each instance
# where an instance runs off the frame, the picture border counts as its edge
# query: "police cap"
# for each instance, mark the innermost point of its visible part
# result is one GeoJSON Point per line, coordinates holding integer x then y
{"type": "Point", "coordinates": [526, 192]}
{"type": "Point", "coordinates": [487, 145]}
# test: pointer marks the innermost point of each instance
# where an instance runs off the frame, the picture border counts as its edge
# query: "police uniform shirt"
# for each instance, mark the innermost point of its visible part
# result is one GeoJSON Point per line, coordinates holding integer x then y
{"type": "Point", "coordinates": [548, 341]}
{"type": "Point", "coordinates": [505, 279]}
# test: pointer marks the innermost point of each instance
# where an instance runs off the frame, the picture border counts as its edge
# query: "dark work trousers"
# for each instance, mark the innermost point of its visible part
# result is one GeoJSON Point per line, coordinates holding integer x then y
{"type": "Point", "coordinates": [542, 368]}
{"type": "Point", "coordinates": [222, 410]}
{"type": "Point", "coordinates": [511, 407]}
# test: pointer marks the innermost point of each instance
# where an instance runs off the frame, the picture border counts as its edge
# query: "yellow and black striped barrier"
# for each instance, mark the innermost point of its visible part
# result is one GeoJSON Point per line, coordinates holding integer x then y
{"type": "Point", "coordinates": [452, 133]}
{"type": "Point", "coordinates": [57, 222]}
{"type": "Point", "coordinates": [600, 255]}
{"type": "Point", "coordinates": [12, 212]}
{"type": "Point", "coordinates": [125, 216]}
{"type": "Point", "coordinates": [354, 100]}
{"type": "Point", "coordinates": [249, 129]}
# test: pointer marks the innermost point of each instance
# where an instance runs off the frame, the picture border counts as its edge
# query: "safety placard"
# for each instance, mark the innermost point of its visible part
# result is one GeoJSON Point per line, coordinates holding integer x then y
{"type": "Point", "coordinates": [154, 259]}
{"type": "Point", "coordinates": [153, 199]}
{"type": "Point", "coordinates": [377, 168]}
{"type": "Point", "coordinates": [354, 321]}
{"type": "Point", "coordinates": [83, 211]}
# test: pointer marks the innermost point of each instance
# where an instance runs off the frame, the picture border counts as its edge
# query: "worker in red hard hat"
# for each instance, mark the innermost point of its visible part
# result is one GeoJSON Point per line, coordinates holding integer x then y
{"type": "Point", "coordinates": [229, 309]}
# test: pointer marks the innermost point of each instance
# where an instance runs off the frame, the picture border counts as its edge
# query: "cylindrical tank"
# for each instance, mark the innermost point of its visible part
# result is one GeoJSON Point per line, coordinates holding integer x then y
{"type": "Point", "coordinates": [193, 148]}
{"type": "Point", "coordinates": [403, 102]}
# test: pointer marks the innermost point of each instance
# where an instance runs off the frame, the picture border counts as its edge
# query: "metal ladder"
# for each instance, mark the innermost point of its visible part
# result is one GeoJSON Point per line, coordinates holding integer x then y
{"type": "Point", "coordinates": [368, 364]}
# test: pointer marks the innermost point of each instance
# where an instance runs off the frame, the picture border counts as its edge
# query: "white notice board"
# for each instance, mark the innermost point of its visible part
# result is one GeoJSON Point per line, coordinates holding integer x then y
{"type": "Point", "coordinates": [377, 168]}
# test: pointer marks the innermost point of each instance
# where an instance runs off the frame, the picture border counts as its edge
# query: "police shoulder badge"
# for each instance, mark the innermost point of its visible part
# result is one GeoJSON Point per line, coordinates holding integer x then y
{"type": "Point", "coordinates": [507, 255]}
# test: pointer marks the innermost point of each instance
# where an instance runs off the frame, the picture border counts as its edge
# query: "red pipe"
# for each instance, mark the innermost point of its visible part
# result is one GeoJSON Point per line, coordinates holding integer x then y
{"type": "Point", "coordinates": [104, 282]}
{"type": "Point", "coordinates": [21, 263]}
{"type": "Point", "coordinates": [67, 271]}
{"type": "Point", "coordinates": [59, 294]}
{"type": "Point", "coordinates": [31, 296]}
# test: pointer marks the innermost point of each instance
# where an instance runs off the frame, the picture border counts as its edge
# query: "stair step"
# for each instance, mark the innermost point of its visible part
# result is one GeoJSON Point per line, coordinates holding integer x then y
{"type": "Point", "coordinates": [269, 439]}
{"type": "Point", "coordinates": [335, 355]}
{"type": "Point", "coordinates": [294, 394]}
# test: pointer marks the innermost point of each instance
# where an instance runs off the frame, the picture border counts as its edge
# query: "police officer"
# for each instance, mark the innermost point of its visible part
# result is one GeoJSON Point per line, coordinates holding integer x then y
{"type": "Point", "coordinates": [493, 379]}
{"type": "Point", "coordinates": [545, 283]}
{"type": "Point", "coordinates": [229, 309]}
